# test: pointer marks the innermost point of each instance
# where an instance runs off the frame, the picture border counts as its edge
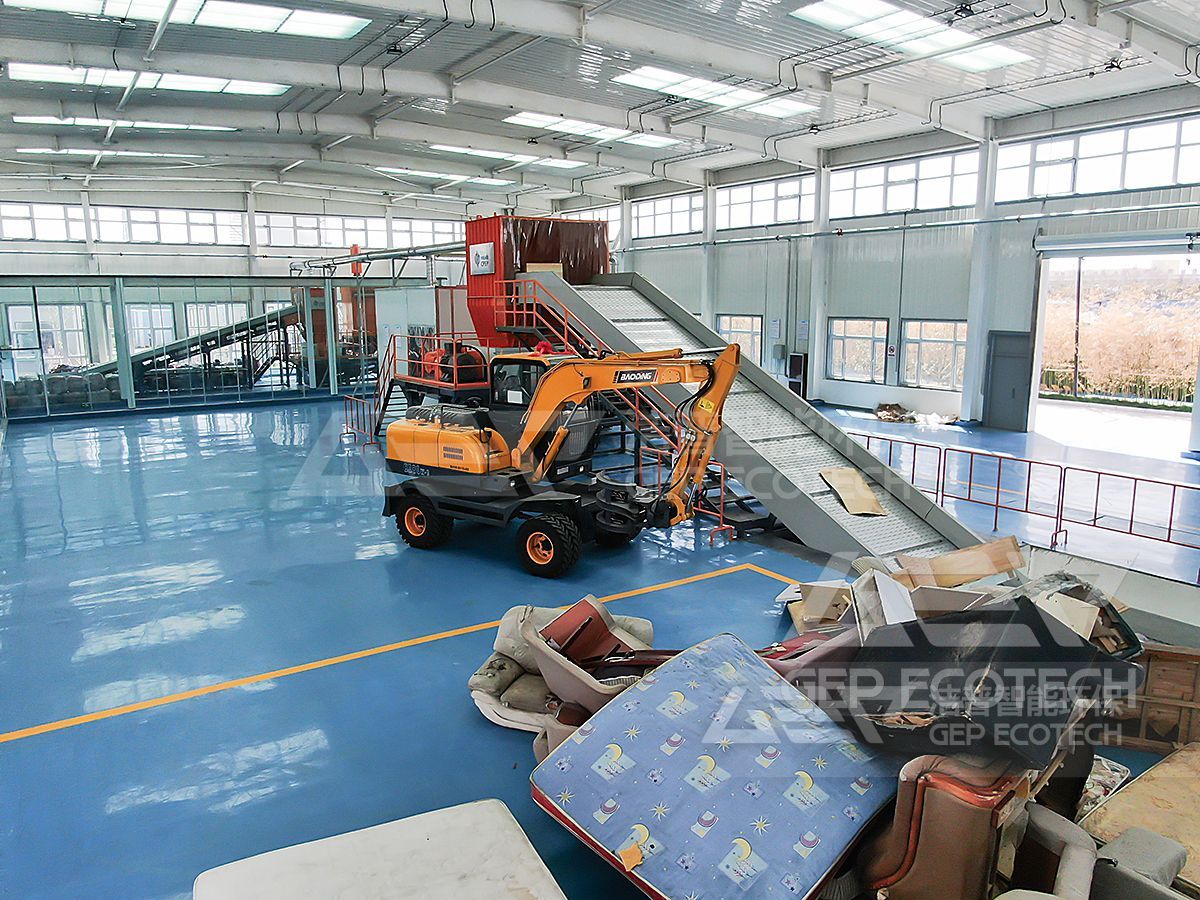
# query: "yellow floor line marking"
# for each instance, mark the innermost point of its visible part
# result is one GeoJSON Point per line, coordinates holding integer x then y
{"type": "Point", "coordinates": [141, 705]}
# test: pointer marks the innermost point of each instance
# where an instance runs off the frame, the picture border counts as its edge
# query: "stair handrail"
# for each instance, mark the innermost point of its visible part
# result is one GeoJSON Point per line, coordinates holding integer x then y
{"type": "Point", "coordinates": [385, 379]}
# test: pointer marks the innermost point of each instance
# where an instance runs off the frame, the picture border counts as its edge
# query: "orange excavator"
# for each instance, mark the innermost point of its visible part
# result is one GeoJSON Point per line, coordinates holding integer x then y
{"type": "Point", "coordinates": [463, 467]}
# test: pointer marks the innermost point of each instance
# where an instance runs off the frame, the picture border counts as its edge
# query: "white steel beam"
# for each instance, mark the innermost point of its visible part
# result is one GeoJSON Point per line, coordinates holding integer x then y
{"type": "Point", "coordinates": [389, 81]}
{"type": "Point", "coordinates": [310, 126]}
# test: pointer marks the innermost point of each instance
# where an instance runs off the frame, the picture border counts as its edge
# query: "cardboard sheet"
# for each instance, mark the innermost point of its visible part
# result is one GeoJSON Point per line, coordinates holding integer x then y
{"type": "Point", "coordinates": [816, 603]}
{"type": "Point", "coordinates": [961, 566]}
{"type": "Point", "coordinates": [854, 492]}
{"type": "Point", "coordinates": [930, 602]}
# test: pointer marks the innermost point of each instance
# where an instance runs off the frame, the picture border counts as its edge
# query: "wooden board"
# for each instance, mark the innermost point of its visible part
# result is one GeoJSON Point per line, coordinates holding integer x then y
{"type": "Point", "coordinates": [961, 566]}
{"type": "Point", "coordinates": [1165, 800]}
{"type": "Point", "coordinates": [1166, 713]}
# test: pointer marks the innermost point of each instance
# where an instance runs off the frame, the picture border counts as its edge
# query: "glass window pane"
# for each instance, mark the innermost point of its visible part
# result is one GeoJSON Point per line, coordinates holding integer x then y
{"type": "Point", "coordinates": [1053, 179]}
{"type": "Point", "coordinates": [1104, 143]}
{"type": "Point", "coordinates": [1150, 168]}
{"type": "Point", "coordinates": [1153, 137]}
{"type": "Point", "coordinates": [1100, 174]}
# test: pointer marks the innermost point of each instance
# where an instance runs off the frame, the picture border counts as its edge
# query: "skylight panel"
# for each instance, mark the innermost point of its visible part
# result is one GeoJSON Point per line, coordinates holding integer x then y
{"type": "Point", "coordinates": [601, 133]}
{"type": "Point", "coordinates": [986, 58]}
{"type": "Point", "coordinates": [184, 12]}
{"type": "Point", "coordinates": [781, 108]}
{"type": "Point", "coordinates": [320, 24]}
{"type": "Point", "coordinates": [254, 88]}
{"type": "Point", "coordinates": [650, 77]}
{"type": "Point", "coordinates": [214, 14]}
{"type": "Point", "coordinates": [678, 85]}
{"type": "Point", "coordinates": [649, 140]}
{"type": "Point", "coordinates": [552, 163]}
{"type": "Point", "coordinates": [83, 7]}
{"type": "Point", "coordinates": [241, 16]}
{"type": "Point", "coordinates": [888, 25]}
{"type": "Point", "coordinates": [80, 151]}
{"type": "Point", "coordinates": [145, 80]}
{"type": "Point", "coordinates": [441, 176]}
{"type": "Point", "coordinates": [86, 122]}
{"type": "Point", "coordinates": [533, 120]}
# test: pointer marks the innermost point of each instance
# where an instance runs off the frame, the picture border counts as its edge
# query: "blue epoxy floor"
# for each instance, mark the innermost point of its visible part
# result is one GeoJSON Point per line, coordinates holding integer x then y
{"type": "Point", "coordinates": [146, 556]}
{"type": "Point", "coordinates": [1156, 511]}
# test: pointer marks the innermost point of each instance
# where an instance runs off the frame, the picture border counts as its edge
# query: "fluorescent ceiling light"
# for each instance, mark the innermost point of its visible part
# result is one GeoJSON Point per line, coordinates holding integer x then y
{"type": "Point", "coordinates": [883, 23]}
{"type": "Point", "coordinates": [568, 126]}
{"type": "Point", "coordinates": [648, 140]}
{"type": "Point", "coordinates": [148, 80]}
{"type": "Point", "coordinates": [80, 151]}
{"type": "Point", "coordinates": [214, 14]}
{"type": "Point", "coordinates": [85, 122]}
{"type": "Point", "coordinates": [441, 176]}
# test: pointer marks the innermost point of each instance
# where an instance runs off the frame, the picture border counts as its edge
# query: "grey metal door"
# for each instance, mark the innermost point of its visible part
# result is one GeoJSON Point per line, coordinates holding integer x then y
{"type": "Point", "coordinates": [1008, 387]}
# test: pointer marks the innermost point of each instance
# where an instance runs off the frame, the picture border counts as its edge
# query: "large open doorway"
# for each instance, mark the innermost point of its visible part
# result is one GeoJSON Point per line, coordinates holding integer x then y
{"type": "Point", "coordinates": [1119, 341]}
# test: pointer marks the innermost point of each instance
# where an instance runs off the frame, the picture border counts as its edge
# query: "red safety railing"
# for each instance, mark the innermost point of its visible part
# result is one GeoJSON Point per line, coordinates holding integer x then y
{"type": "Point", "coordinates": [529, 305]}
{"type": "Point", "coordinates": [435, 372]}
{"type": "Point", "coordinates": [1161, 503]}
{"type": "Point", "coordinates": [913, 468]}
{"type": "Point", "coordinates": [1018, 499]}
{"type": "Point", "coordinates": [359, 420]}
{"type": "Point", "coordinates": [1140, 507]}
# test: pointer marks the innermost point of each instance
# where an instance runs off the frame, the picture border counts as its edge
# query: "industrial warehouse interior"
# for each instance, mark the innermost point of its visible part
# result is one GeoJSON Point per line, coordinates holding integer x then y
{"type": "Point", "coordinates": [600, 448]}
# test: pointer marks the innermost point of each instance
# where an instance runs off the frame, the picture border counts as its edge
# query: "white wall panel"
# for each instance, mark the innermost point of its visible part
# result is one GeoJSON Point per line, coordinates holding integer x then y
{"type": "Point", "coordinates": [937, 273]}
{"type": "Point", "coordinates": [864, 275]}
{"type": "Point", "coordinates": [677, 273]}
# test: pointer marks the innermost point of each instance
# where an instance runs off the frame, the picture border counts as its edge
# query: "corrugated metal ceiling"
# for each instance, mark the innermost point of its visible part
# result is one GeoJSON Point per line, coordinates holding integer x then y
{"type": "Point", "coordinates": [1067, 66]}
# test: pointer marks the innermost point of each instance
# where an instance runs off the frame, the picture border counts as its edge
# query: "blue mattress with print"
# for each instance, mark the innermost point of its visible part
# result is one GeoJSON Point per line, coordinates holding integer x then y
{"type": "Point", "coordinates": [720, 777]}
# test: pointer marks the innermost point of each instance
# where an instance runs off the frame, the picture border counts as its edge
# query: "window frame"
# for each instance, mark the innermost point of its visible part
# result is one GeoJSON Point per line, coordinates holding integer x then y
{"type": "Point", "coordinates": [956, 343]}
{"type": "Point", "coordinates": [663, 209]}
{"type": "Point", "coordinates": [51, 357]}
{"type": "Point", "coordinates": [877, 342]}
{"type": "Point", "coordinates": [155, 330]}
{"type": "Point", "coordinates": [1184, 151]}
{"type": "Point", "coordinates": [751, 194]}
{"type": "Point", "coordinates": [754, 349]}
{"type": "Point", "coordinates": [859, 184]}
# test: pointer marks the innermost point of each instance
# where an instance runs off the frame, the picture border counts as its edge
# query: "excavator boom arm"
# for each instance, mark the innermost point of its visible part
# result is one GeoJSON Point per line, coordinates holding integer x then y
{"type": "Point", "coordinates": [572, 383]}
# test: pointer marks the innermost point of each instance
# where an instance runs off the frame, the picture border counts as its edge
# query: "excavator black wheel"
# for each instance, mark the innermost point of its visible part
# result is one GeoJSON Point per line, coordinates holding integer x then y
{"type": "Point", "coordinates": [549, 545]}
{"type": "Point", "coordinates": [422, 526]}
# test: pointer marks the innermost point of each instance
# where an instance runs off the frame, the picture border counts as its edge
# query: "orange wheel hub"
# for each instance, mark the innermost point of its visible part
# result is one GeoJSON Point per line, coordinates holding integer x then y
{"type": "Point", "coordinates": [540, 548]}
{"type": "Point", "coordinates": [414, 521]}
